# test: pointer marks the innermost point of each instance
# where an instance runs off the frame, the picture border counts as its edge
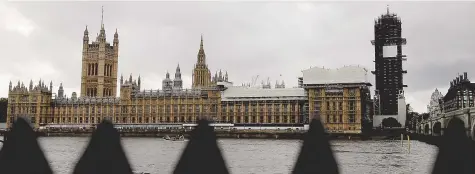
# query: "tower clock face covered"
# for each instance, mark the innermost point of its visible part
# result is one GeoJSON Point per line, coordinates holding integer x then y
{"type": "Point", "coordinates": [390, 51]}
{"type": "Point", "coordinates": [388, 43]}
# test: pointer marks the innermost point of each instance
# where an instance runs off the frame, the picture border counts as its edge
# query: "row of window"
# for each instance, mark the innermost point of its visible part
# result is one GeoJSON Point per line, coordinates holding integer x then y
{"type": "Point", "coordinates": [32, 99]}
{"type": "Point", "coordinates": [339, 119]}
{"type": "Point", "coordinates": [338, 105]}
{"type": "Point", "coordinates": [182, 119]}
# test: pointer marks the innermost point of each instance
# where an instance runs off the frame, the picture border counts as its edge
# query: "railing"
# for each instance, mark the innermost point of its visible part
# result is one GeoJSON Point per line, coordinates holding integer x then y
{"type": "Point", "coordinates": [21, 153]}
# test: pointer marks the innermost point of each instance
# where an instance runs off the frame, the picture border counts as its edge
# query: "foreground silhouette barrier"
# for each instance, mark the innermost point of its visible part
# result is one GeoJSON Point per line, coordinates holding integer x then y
{"type": "Point", "coordinates": [104, 154]}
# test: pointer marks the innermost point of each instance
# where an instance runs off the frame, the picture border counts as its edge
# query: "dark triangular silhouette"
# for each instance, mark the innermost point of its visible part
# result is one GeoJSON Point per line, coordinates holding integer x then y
{"type": "Point", "coordinates": [104, 154]}
{"type": "Point", "coordinates": [202, 154]}
{"type": "Point", "coordinates": [316, 155]}
{"type": "Point", "coordinates": [21, 153]}
{"type": "Point", "coordinates": [455, 150]}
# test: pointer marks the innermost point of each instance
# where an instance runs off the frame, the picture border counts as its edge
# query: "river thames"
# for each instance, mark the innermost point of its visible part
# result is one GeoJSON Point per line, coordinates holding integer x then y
{"type": "Point", "coordinates": [248, 156]}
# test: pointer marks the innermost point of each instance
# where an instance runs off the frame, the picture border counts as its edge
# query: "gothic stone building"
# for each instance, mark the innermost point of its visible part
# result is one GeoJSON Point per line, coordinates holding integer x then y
{"type": "Point", "coordinates": [98, 100]}
{"type": "Point", "coordinates": [460, 94]}
{"type": "Point", "coordinates": [339, 97]}
{"type": "Point", "coordinates": [340, 104]}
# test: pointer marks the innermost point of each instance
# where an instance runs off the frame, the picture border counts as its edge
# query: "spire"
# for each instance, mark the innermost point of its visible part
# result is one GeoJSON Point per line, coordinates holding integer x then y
{"type": "Point", "coordinates": [102, 18]}
{"type": "Point", "coordinates": [102, 34]}
{"type": "Point", "coordinates": [201, 42]}
{"type": "Point", "coordinates": [121, 79]}
{"type": "Point", "coordinates": [201, 53]}
{"type": "Point", "coordinates": [130, 78]}
{"type": "Point", "coordinates": [86, 32]}
{"type": "Point", "coordinates": [226, 77]}
{"type": "Point", "coordinates": [387, 9]}
{"type": "Point", "coordinates": [116, 35]}
{"type": "Point", "coordinates": [220, 78]}
{"type": "Point", "coordinates": [31, 85]}
{"type": "Point", "coordinates": [60, 91]}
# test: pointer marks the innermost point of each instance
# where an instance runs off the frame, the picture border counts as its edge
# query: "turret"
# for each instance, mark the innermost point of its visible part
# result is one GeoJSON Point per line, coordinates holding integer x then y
{"type": "Point", "coordinates": [167, 82]}
{"type": "Point", "coordinates": [116, 43]}
{"type": "Point", "coordinates": [116, 37]}
{"type": "Point", "coordinates": [139, 82]}
{"type": "Point", "coordinates": [74, 96]}
{"type": "Point", "coordinates": [220, 78]}
{"type": "Point", "coordinates": [31, 85]}
{"type": "Point", "coordinates": [178, 82]}
{"type": "Point", "coordinates": [10, 86]}
{"type": "Point", "coordinates": [226, 77]}
{"type": "Point", "coordinates": [85, 40]}
{"type": "Point", "coordinates": [51, 86]}
{"type": "Point", "coordinates": [61, 90]}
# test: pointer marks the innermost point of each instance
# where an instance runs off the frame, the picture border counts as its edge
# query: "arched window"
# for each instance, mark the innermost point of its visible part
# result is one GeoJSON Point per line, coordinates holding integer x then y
{"type": "Point", "coordinates": [88, 69]}
{"type": "Point", "coordinates": [96, 69]}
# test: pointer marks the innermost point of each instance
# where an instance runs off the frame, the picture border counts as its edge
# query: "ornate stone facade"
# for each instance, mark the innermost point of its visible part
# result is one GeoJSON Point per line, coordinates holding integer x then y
{"type": "Point", "coordinates": [339, 97]}
{"type": "Point", "coordinates": [434, 108]}
{"type": "Point", "coordinates": [99, 65]}
{"type": "Point", "coordinates": [212, 97]}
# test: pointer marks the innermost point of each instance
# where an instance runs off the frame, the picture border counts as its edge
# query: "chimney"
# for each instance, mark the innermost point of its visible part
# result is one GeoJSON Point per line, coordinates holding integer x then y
{"type": "Point", "coordinates": [465, 76]}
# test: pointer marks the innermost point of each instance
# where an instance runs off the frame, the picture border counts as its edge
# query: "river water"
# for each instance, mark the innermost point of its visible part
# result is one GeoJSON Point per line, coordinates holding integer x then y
{"type": "Point", "coordinates": [244, 156]}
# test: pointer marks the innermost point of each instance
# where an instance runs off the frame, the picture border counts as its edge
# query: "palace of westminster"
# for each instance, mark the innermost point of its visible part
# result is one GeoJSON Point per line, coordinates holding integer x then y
{"type": "Point", "coordinates": [342, 104]}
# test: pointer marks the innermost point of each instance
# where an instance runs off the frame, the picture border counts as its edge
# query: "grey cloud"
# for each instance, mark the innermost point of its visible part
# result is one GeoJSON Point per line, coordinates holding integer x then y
{"type": "Point", "coordinates": [244, 38]}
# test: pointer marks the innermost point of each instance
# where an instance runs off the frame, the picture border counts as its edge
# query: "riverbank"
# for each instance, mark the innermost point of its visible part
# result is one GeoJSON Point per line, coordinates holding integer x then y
{"type": "Point", "coordinates": [230, 134]}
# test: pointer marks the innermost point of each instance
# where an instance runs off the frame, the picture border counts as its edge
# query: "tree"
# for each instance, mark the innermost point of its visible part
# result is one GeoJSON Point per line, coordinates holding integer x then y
{"type": "Point", "coordinates": [391, 122]}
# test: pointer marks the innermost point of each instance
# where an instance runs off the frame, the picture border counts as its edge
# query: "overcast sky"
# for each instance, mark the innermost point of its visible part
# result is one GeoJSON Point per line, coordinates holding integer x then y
{"type": "Point", "coordinates": [275, 40]}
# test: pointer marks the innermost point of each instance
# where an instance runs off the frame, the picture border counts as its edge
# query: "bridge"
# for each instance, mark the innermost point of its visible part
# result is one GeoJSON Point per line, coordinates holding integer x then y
{"type": "Point", "coordinates": [436, 124]}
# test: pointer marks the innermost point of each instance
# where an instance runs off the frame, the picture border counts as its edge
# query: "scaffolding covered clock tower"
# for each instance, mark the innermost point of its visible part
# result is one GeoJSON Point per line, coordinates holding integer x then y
{"type": "Point", "coordinates": [388, 60]}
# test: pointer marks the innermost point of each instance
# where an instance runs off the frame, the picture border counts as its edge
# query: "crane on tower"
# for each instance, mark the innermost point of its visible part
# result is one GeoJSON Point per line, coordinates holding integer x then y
{"type": "Point", "coordinates": [254, 80]}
